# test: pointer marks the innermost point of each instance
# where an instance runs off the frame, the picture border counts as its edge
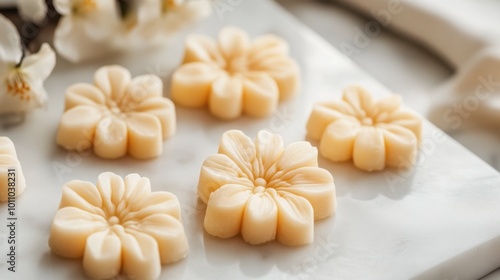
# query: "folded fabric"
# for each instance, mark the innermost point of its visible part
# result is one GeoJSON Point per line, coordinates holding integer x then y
{"type": "Point", "coordinates": [463, 33]}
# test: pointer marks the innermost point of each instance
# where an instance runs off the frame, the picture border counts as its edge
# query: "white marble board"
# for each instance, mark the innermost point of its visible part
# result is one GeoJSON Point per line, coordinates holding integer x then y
{"type": "Point", "coordinates": [439, 220]}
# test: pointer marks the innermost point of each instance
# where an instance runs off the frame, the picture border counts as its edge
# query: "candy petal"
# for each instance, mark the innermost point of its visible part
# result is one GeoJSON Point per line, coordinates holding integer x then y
{"type": "Point", "coordinates": [359, 99]}
{"type": "Point", "coordinates": [325, 113]}
{"type": "Point", "coordinates": [73, 226]}
{"type": "Point", "coordinates": [113, 81]}
{"type": "Point", "coordinates": [409, 120]}
{"type": "Point", "coordinates": [226, 97]}
{"type": "Point", "coordinates": [285, 72]}
{"type": "Point", "coordinates": [103, 255]}
{"type": "Point", "coordinates": [265, 47]}
{"type": "Point", "coordinates": [369, 149]}
{"type": "Point", "coordinates": [261, 95]}
{"type": "Point", "coordinates": [260, 219]}
{"type": "Point", "coordinates": [192, 83]}
{"type": "Point", "coordinates": [82, 195]}
{"type": "Point", "coordinates": [141, 256]}
{"type": "Point", "coordinates": [164, 110]}
{"type": "Point", "coordinates": [141, 88]}
{"type": "Point", "coordinates": [269, 147]}
{"type": "Point", "coordinates": [112, 190]}
{"type": "Point", "coordinates": [9, 161]}
{"type": "Point", "coordinates": [83, 94]}
{"type": "Point", "coordinates": [157, 202]}
{"type": "Point", "coordinates": [295, 219]}
{"type": "Point", "coordinates": [225, 210]}
{"type": "Point", "coordinates": [337, 141]}
{"type": "Point", "coordinates": [240, 149]}
{"type": "Point", "coordinates": [201, 48]}
{"type": "Point", "coordinates": [387, 105]}
{"type": "Point", "coordinates": [169, 234]}
{"type": "Point", "coordinates": [111, 138]}
{"type": "Point", "coordinates": [145, 138]}
{"type": "Point", "coordinates": [296, 155]}
{"type": "Point", "coordinates": [7, 147]}
{"type": "Point", "coordinates": [136, 187]}
{"type": "Point", "coordinates": [77, 128]}
{"type": "Point", "coordinates": [401, 146]}
{"type": "Point", "coordinates": [314, 184]}
{"type": "Point", "coordinates": [217, 171]}
{"type": "Point", "coordinates": [232, 42]}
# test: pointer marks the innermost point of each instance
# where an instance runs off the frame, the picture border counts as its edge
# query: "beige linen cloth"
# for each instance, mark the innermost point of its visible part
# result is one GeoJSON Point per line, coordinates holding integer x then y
{"type": "Point", "coordinates": [466, 35]}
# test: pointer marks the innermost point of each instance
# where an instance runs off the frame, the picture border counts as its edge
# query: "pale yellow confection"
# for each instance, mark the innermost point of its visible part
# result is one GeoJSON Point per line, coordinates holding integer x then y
{"type": "Point", "coordinates": [117, 115]}
{"type": "Point", "coordinates": [265, 191]}
{"type": "Point", "coordinates": [118, 227]}
{"type": "Point", "coordinates": [234, 75]}
{"type": "Point", "coordinates": [373, 134]}
{"type": "Point", "coordinates": [12, 181]}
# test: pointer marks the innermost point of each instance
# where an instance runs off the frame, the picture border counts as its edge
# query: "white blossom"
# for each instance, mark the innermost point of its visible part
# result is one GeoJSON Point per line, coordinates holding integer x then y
{"type": "Point", "coordinates": [21, 78]}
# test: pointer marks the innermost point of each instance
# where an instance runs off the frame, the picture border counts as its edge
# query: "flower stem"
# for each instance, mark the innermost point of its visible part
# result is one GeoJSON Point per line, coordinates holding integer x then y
{"type": "Point", "coordinates": [125, 7]}
{"type": "Point", "coordinates": [29, 31]}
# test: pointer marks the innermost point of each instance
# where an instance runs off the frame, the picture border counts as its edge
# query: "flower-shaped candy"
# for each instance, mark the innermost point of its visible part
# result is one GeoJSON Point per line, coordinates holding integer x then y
{"type": "Point", "coordinates": [372, 134]}
{"type": "Point", "coordinates": [12, 182]}
{"type": "Point", "coordinates": [265, 191]}
{"type": "Point", "coordinates": [118, 226]}
{"type": "Point", "coordinates": [234, 76]}
{"type": "Point", "coordinates": [117, 114]}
